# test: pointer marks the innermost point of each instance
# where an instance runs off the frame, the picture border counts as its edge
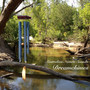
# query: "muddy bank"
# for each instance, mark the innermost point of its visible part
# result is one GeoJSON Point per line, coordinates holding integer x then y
{"type": "Point", "coordinates": [5, 52]}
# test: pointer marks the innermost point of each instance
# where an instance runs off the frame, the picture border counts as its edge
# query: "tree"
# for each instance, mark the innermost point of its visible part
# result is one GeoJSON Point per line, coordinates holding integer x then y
{"type": "Point", "coordinates": [3, 5]}
{"type": "Point", "coordinates": [83, 2]}
{"type": "Point", "coordinates": [81, 24]}
{"type": "Point", "coordinates": [5, 15]}
{"type": "Point", "coordinates": [51, 21]}
{"type": "Point", "coordinates": [39, 22]}
{"type": "Point", "coordinates": [11, 30]}
{"type": "Point", "coordinates": [85, 15]}
{"type": "Point", "coordinates": [62, 19]}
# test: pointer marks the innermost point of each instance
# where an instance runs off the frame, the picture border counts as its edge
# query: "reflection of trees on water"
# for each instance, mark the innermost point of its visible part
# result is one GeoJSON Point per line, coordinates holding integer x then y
{"type": "Point", "coordinates": [2, 87]}
{"type": "Point", "coordinates": [31, 58]}
{"type": "Point", "coordinates": [86, 65]}
{"type": "Point", "coordinates": [50, 84]}
{"type": "Point", "coordinates": [39, 84]}
{"type": "Point", "coordinates": [40, 56]}
{"type": "Point", "coordinates": [5, 86]}
{"type": "Point", "coordinates": [36, 57]}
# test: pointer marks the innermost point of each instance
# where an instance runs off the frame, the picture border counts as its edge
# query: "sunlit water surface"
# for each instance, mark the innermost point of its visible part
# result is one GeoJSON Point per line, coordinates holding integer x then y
{"type": "Point", "coordinates": [50, 58]}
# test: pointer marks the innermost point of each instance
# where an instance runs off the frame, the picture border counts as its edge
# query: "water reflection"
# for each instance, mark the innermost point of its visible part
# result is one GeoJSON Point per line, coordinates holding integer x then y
{"type": "Point", "coordinates": [41, 56]}
{"type": "Point", "coordinates": [48, 84]}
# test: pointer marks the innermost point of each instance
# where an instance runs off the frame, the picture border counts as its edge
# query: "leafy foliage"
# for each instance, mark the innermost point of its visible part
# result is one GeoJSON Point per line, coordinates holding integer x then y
{"type": "Point", "coordinates": [85, 14]}
{"type": "Point", "coordinates": [53, 21]}
{"type": "Point", "coordinates": [11, 30]}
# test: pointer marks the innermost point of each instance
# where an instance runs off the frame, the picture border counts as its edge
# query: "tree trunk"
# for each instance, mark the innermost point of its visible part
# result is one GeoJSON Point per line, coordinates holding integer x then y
{"type": "Point", "coordinates": [5, 15]}
{"type": "Point", "coordinates": [5, 53]}
{"type": "Point", "coordinates": [86, 41]}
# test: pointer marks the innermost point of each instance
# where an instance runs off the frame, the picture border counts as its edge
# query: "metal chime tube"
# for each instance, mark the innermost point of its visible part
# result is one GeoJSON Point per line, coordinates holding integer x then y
{"type": "Point", "coordinates": [27, 37]}
{"type": "Point", "coordinates": [25, 55]}
{"type": "Point", "coordinates": [19, 42]}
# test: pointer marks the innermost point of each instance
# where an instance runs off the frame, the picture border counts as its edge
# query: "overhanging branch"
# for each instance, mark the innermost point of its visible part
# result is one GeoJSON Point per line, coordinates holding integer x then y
{"type": "Point", "coordinates": [3, 5]}
{"type": "Point", "coordinates": [30, 5]}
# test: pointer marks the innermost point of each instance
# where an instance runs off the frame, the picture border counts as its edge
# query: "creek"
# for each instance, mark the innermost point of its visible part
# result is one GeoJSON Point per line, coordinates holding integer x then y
{"type": "Point", "coordinates": [49, 57]}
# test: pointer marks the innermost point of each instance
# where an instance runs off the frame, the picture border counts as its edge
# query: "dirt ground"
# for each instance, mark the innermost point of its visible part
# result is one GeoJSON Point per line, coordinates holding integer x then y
{"type": "Point", "coordinates": [5, 52]}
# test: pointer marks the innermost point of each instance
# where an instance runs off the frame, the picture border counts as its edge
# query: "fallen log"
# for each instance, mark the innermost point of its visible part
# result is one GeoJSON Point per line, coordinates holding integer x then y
{"type": "Point", "coordinates": [6, 75]}
{"type": "Point", "coordinates": [85, 50]}
{"type": "Point", "coordinates": [35, 67]}
{"type": "Point", "coordinates": [79, 76]}
{"type": "Point", "coordinates": [71, 52]}
{"type": "Point", "coordinates": [40, 68]}
{"type": "Point", "coordinates": [85, 55]}
{"type": "Point", "coordinates": [11, 73]}
{"type": "Point", "coordinates": [42, 76]}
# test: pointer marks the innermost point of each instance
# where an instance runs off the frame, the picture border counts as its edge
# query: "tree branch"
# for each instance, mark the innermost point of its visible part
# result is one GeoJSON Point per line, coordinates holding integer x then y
{"type": "Point", "coordinates": [3, 6]}
{"type": "Point", "coordinates": [30, 5]}
{"type": "Point", "coordinates": [6, 75]}
{"type": "Point", "coordinates": [85, 55]}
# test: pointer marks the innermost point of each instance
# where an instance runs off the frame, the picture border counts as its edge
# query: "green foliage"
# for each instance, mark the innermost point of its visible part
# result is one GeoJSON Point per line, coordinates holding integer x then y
{"type": "Point", "coordinates": [11, 30]}
{"type": "Point", "coordinates": [52, 22]}
{"type": "Point", "coordinates": [78, 35]}
{"type": "Point", "coordinates": [77, 22]}
{"type": "Point", "coordinates": [62, 19]}
{"type": "Point", "coordinates": [81, 22]}
{"type": "Point", "coordinates": [85, 14]}
{"type": "Point", "coordinates": [83, 2]}
{"type": "Point", "coordinates": [0, 10]}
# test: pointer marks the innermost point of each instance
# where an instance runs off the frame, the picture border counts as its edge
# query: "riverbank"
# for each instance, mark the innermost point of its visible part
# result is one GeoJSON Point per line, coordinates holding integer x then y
{"type": "Point", "coordinates": [61, 45]}
{"type": "Point", "coordinates": [5, 52]}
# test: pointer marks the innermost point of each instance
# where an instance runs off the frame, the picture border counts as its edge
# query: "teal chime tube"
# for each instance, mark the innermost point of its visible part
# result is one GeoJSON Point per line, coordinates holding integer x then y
{"type": "Point", "coordinates": [19, 42]}
{"type": "Point", "coordinates": [27, 37]}
{"type": "Point", "coordinates": [25, 55]}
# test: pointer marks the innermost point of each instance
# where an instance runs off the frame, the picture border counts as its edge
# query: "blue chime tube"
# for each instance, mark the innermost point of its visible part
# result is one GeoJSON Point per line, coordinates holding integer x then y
{"type": "Point", "coordinates": [27, 37]}
{"type": "Point", "coordinates": [25, 55]}
{"type": "Point", "coordinates": [19, 42]}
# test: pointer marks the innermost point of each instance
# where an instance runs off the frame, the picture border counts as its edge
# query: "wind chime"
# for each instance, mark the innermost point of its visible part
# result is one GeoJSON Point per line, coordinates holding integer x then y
{"type": "Point", "coordinates": [26, 41]}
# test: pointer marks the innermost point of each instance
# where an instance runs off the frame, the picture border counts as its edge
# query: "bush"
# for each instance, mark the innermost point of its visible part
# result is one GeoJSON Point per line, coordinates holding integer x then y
{"type": "Point", "coordinates": [78, 35]}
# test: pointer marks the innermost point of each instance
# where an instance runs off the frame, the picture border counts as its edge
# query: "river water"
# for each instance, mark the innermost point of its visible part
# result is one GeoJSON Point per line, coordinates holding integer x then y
{"type": "Point", "coordinates": [57, 59]}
